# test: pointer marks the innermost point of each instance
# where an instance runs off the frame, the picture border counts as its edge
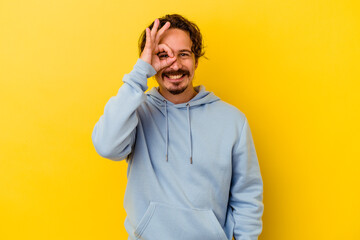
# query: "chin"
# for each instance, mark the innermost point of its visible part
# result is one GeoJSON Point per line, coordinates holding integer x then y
{"type": "Point", "coordinates": [176, 91]}
{"type": "Point", "coordinates": [176, 88]}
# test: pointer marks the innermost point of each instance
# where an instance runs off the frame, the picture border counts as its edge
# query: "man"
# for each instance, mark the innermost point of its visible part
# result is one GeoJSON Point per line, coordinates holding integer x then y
{"type": "Point", "coordinates": [193, 173]}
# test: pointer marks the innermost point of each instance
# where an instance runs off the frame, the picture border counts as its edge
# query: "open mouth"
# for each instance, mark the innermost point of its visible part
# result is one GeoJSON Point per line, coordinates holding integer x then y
{"type": "Point", "coordinates": [174, 78]}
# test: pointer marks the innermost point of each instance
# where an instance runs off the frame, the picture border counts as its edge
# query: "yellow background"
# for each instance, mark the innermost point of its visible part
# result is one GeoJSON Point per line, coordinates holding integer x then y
{"type": "Point", "coordinates": [290, 66]}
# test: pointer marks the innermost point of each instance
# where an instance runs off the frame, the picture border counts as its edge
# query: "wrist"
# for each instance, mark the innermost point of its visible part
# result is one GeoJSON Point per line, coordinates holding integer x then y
{"type": "Point", "coordinates": [145, 68]}
{"type": "Point", "coordinates": [146, 57]}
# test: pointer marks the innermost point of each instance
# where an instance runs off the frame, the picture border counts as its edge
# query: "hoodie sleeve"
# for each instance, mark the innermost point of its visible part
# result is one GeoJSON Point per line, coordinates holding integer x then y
{"type": "Point", "coordinates": [114, 134]}
{"type": "Point", "coordinates": [246, 188]}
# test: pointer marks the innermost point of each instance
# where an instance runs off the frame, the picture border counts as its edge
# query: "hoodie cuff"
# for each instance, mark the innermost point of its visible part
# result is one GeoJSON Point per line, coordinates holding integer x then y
{"type": "Point", "coordinates": [145, 67]}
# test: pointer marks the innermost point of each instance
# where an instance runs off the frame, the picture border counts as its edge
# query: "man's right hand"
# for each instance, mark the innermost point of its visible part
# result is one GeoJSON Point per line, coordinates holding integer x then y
{"type": "Point", "coordinates": [153, 48]}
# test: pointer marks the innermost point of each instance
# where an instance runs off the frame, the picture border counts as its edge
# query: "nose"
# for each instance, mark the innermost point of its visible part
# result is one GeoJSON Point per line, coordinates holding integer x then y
{"type": "Point", "coordinates": [176, 65]}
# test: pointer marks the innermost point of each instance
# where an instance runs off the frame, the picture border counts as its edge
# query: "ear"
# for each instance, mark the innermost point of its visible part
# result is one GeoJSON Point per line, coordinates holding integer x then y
{"type": "Point", "coordinates": [196, 64]}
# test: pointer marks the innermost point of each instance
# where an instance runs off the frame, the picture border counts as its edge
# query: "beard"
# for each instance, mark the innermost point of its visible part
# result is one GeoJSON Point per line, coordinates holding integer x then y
{"type": "Point", "coordinates": [177, 91]}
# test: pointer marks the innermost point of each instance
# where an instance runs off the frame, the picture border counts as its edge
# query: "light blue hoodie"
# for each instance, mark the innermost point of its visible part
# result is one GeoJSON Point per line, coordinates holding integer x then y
{"type": "Point", "coordinates": [193, 172]}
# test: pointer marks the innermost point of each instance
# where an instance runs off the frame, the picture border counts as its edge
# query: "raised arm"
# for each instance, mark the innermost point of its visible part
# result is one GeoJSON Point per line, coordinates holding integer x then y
{"type": "Point", "coordinates": [114, 134]}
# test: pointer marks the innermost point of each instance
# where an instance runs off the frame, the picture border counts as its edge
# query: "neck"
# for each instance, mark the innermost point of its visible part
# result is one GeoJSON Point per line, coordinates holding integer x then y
{"type": "Point", "coordinates": [183, 97]}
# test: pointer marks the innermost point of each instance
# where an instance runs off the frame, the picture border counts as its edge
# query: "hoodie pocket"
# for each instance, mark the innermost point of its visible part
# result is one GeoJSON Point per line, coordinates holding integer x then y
{"type": "Point", "coordinates": [165, 222]}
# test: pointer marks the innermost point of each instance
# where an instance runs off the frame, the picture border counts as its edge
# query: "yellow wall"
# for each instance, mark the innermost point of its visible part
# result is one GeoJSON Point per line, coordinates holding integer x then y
{"type": "Point", "coordinates": [290, 66]}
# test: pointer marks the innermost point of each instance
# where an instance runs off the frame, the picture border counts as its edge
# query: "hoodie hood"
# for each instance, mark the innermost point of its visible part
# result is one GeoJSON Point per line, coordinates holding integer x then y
{"type": "Point", "coordinates": [202, 97]}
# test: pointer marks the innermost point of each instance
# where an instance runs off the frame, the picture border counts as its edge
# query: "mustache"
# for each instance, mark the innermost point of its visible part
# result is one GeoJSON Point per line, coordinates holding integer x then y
{"type": "Point", "coordinates": [178, 72]}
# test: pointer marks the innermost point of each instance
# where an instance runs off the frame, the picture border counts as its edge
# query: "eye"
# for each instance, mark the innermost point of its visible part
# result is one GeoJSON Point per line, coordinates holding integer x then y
{"type": "Point", "coordinates": [163, 55]}
{"type": "Point", "coordinates": [184, 54]}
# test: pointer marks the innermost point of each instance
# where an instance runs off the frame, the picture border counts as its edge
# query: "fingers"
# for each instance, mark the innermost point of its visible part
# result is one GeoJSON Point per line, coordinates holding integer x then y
{"type": "Point", "coordinates": [170, 61]}
{"type": "Point", "coordinates": [165, 55]}
{"type": "Point", "coordinates": [155, 34]}
{"type": "Point", "coordinates": [165, 48]}
{"type": "Point", "coordinates": [161, 31]}
{"type": "Point", "coordinates": [152, 47]}
{"type": "Point", "coordinates": [155, 28]}
{"type": "Point", "coordinates": [148, 39]}
{"type": "Point", "coordinates": [166, 61]}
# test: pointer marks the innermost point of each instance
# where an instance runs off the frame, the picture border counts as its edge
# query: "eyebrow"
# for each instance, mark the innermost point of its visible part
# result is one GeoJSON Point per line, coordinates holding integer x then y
{"type": "Point", "coordinates": [185, 50]}
{"type": "Point", "coordinates": [181, 51]}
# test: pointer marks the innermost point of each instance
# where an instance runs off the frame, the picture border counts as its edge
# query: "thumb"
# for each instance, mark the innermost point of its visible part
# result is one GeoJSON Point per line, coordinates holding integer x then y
{"type": "Point", "coordinates": [167, 62]}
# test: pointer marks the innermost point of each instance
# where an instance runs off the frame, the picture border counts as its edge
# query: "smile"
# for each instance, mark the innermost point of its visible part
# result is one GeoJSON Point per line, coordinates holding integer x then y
{"type": "Point", "coordinates": [174, 78]}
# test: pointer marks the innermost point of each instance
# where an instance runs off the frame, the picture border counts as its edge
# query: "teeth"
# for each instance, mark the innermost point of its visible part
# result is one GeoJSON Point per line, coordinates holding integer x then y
{"type": "Point", "coordinates": [175, 76]}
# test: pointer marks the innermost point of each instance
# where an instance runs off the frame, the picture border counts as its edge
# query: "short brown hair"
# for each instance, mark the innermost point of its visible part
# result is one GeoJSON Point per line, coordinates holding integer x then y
{"type": "Point", "coordinates": [179, 22]}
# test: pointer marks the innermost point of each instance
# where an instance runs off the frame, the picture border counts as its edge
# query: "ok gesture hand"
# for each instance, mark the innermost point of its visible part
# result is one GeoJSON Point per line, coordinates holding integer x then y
{"type": "Point", "coordinates": [153, 48]}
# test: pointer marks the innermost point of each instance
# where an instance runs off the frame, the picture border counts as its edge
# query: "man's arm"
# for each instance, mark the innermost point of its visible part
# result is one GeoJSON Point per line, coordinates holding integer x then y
{"type": "Point", "coordinates": [114, 133]}
{"type": "Point", "coordinates": [246, 191]}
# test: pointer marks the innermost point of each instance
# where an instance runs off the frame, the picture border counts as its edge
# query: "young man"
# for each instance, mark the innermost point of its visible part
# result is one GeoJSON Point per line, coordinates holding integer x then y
{"type": "Point", "coordinates": [193, 172]}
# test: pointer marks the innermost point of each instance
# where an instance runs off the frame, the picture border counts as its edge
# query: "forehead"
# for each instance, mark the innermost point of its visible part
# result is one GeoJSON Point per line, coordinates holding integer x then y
{"type": "Point", "coordinates": [176, 39]}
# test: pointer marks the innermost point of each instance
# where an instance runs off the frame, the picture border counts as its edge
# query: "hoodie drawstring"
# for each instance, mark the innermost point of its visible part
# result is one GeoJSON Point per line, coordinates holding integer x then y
{"type": "Point", "coordinates": [167, 132]}
{"type": "Point", "coordinates": [190, 140]}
